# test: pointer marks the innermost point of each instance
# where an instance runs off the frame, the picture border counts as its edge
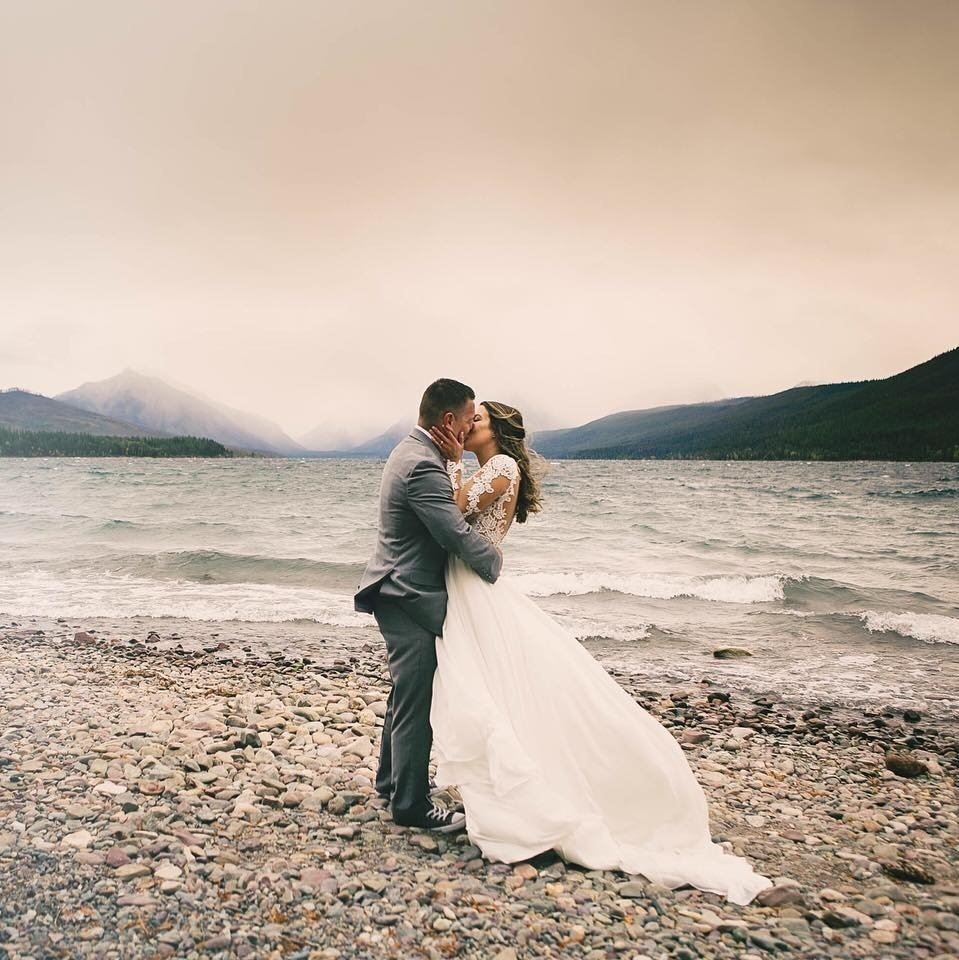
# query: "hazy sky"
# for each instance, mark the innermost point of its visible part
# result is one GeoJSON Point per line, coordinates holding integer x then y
{"type": "Point", "coordinates": [311, 209]}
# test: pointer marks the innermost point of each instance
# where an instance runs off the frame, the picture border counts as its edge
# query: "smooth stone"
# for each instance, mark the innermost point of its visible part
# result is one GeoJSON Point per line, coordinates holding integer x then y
{"type": "Point", "coordinates": [116, 857]}
{"type": "Point", "coordinates": [110, 788]}
{"type": "Point", "coordinates": [713, 777]}
{"type": "Point", "coordinates": [136, 900]}
{"type": "Point", "coordinates": [425, 842]}
{"type": "Point", "coordinates": [314, 877]}
{"type": "Point", "coordinates": [904, 765]}
{"type": "Point", "coordinates": [908, 870]}
{"type": "Point", "coordinates": [89, 856]}
{"type": "Point", "coordinates": [375, 882]}
{"type": "Point", "coordinates": [79, 839]}
{"type": "Point", "coordinates": [362, 747]}
{"type": "Point", "coordinates": [168, 871]}
{"type": "Point", "coordinates": [221, 942]}
{"type": "Point", "coordinates": [827, 893]}
{"type": "Point", "coordinates": [842, 917]}
{"type": "Point", "coordinates": [778, 896]}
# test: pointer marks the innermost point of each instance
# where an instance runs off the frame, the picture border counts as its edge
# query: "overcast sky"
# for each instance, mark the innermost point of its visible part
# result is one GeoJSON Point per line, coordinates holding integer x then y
{"type": "Point", "coordinates": [311, 209]}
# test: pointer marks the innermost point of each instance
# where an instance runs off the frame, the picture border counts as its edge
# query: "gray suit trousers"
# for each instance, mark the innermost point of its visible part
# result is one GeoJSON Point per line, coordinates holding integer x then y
{"type": "Point", "coordinates": [403, 771]}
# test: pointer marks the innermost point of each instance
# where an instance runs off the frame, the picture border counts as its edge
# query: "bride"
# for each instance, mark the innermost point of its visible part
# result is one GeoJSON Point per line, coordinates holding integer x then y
{"type": "Point", "coordinates": [545, 748]}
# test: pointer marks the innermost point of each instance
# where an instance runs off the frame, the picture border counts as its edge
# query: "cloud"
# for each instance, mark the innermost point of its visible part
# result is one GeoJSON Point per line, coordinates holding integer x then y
{"type": "Point", "coordinates": [314, 211]}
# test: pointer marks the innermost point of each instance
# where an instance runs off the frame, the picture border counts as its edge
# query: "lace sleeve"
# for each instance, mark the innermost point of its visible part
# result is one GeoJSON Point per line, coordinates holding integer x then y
{"type": "Point", "coordinates": [482, 488]}
{"type": "Point", "coordinates": [454, 469]}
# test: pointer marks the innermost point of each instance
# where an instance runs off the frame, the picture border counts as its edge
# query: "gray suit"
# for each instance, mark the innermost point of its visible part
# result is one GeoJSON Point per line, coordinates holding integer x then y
{"type": "Point", "coordinates": [404, 587]}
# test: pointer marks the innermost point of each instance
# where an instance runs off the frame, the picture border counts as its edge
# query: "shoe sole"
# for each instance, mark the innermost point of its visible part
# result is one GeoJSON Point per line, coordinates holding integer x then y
{"type": "Point", "coordinates": [451, 828]}
{"type": "Point", "coordinates": [448, 828]}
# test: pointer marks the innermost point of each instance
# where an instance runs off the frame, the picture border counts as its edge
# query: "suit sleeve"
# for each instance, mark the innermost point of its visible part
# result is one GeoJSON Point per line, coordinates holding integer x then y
{"type": "Point", "coordinates": [431, 498]}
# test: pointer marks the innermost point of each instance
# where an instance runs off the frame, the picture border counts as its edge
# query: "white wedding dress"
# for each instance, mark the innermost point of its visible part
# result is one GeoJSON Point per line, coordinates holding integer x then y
{"type": "Point", "coordinates": [545, 747]}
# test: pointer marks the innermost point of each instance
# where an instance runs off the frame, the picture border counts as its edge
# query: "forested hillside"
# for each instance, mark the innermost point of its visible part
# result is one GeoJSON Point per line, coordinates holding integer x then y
{"type": "Point", "coordinates": [52, 443]}
{"type": "Point", "coordinates": [911, 416]}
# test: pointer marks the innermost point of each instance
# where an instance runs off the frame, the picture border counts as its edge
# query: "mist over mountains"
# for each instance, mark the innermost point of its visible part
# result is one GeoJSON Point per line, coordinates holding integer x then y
{"type": "Point", "coordinates": [154, 405]}
{"type": "Point", "coordinates": [22, 410]}
{"type": "Point", "coordinates": [913, 415]}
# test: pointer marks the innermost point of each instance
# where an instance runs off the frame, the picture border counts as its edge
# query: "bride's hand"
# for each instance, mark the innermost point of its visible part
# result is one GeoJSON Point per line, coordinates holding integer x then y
{"type": "Point", "coordinates": [450, 444]}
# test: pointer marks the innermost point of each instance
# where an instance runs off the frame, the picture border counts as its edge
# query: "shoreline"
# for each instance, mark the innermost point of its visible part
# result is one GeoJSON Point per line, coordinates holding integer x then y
{"type": "Point", "coordinates": [248, 641]}
{"type": "Point", "coordinates": [159, 802]}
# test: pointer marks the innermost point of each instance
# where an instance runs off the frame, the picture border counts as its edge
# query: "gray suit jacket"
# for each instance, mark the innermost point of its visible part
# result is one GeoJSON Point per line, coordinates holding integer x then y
{"type": "Point", "coordinates": [419, 524]}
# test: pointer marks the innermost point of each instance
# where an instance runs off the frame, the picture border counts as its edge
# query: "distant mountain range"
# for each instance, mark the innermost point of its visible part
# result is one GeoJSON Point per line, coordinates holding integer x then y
{"type": "Point", "coordinates": [383, 443]}
{"type": "Point", "coordinates": [22, 410]}
{"type": "Point", "coordinates": [154, 405]}
{"type": "Point", "coordinates": [378, 446]}
{"type": "Point", "coordinates": [328, 436]}
{"type": "Point", "coordinates": [911, 416]}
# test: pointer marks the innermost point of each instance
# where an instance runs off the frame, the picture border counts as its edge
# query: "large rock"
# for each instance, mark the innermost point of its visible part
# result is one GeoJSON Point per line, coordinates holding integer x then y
{"type": "Point", "coordinates": [362, 747]}
{"type": "Point", "coordinates": [904, 765]}
{"type": "Point", "coordinates": [780, 896]}
{"type": "Point", "coordinates": [908, 870]}
{"type": "Point", "coordinates": [731, 653]}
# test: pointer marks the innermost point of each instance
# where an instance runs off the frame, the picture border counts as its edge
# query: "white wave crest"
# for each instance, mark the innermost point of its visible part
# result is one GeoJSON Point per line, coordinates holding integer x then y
{"type": "Point", "coordinates": [735, 589]}
{"type": "Point", "coordinates": [39, 593]}
{"type": "Point", "coordinates": [592, 630]}
{"type": "Point", "coordinates": [928, 627]}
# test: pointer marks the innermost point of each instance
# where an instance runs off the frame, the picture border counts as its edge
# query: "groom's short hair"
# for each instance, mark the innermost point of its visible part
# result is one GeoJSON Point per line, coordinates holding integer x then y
{"type": "Point", "coordinates": [442, 395]}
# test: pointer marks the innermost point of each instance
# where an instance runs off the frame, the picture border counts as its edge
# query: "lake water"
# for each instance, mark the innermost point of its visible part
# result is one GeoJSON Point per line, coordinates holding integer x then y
{"type": "Point", "coordinates": [842, 579]}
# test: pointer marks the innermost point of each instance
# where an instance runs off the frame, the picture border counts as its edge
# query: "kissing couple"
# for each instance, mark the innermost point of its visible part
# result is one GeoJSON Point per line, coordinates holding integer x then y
{"type": "Point", "coordinates": [545, 748]}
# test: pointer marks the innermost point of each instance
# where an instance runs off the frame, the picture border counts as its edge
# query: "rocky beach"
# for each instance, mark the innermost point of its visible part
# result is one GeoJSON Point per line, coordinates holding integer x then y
{"type": "Point", "coordinates": [184, 793]}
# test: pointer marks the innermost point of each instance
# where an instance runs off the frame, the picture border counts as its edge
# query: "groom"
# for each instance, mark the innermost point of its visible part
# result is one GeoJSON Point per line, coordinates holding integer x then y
{"type": "Point", "coordinates": [404, 588]}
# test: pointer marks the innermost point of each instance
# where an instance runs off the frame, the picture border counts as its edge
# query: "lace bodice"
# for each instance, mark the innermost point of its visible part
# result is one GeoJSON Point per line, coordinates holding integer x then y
{"type": "Point", "coordinates": [493, 520]}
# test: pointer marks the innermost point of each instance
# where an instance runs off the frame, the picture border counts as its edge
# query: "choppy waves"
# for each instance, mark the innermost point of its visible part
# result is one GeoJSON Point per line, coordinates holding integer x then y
{"type": "Point", "coordinates": [928, 627]}
{"type": "Point", "coordinates": [723, 589]}
{"type": "Point", "coordinates": [214, 566]}
{"type": "Point", "coordinates": [836, 576]}
{"type": "Point", "coordinates": [40, 593]}
{"type": "Point", "coordinates": [592, 630]}
{"type": "Point", "coordinates": [931, 493]}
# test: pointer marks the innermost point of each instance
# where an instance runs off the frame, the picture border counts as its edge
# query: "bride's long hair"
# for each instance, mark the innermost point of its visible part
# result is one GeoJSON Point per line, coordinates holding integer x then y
{"type": "Point", "coordinates": [506, 422]}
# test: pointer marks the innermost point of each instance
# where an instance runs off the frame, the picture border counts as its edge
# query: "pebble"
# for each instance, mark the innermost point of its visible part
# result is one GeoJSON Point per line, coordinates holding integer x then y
{"type": "Point", "coordinates": [80, 839]}
{"type": "Point", "coordinates": [129, 871]}
{"type": "Point", "coordinates": [779, 896]}
{"type": "Point", "coordinates": [187, 804]}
